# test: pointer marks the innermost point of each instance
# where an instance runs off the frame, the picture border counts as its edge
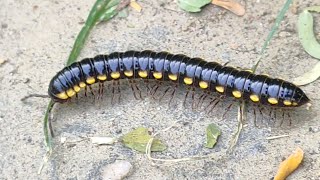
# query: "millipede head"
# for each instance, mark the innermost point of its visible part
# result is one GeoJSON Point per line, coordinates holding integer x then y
{"type": "Point", "coordinates": [299, 98]}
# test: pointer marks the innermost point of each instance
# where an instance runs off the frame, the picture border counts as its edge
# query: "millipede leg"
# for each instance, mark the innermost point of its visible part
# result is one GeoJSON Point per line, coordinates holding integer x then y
{"type": "Point", "coordinates": [173, 94]}
{"type": "Point", "coordinates": [164, 93]}
{"type": "Point", "coordinates": [270, 113]}
{"type": "Point", "coordinates": [226, 110]}
{"type": "Point", "coordinates": [147, 84]}
{"type": "Point", "coordinates": [290, 119]}
{"type": "Point", "coordinates": [283, 116]}
{"type": "Point", "coordinates": [207, 109]}
{"type": "Point", "coordinates": [185, 98]}
{"type": "Point", "coordinates": [214, 105]}
{"type": "Point", "coordinates": [255, 117]}
{"type": "Point", "coordinates": [135, 89]}
{"type": "Point", "coordinates": [193, 100]}
{"type": "Point", "coordinates": [92, 92]}
{"type": "Point", "coordinates": [119, 90]}
{"type": "Point", "coordinates": [151, 92]}
{"type": "Point", "coordinates": [201, 100]}
{"type": "Point", "coordinates": [260, 110]}
{"type": "Point", "coordinates": [158, 84]}
{"type": "Point", "coordinates": [219, 98]}
{"type": "Point", "coordinates": [112, 91]}
{"type": "Point", "coordinates": [102, 90]}
{"type": "Point", "coordinates": [99, 91]}
{"type": "Point", "coordinates": [139, 91]}
{"type": "Point", "coordinates": [116, 91]}
{"type": "Point", "coordinates": [85, 91]}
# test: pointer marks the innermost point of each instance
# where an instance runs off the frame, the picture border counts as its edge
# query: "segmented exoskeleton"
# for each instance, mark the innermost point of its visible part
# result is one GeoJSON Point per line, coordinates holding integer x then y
{"type": "Point", "coordinates": [180, 69]}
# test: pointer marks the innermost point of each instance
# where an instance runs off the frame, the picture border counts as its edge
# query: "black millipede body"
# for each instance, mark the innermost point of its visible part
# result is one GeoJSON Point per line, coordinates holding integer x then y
{"type": "Point", "coordinates": [180, 69]}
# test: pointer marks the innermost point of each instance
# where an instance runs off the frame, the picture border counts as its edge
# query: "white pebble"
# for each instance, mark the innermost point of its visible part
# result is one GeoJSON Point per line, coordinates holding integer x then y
{"type": "Point", "coordinates": [117, 170]}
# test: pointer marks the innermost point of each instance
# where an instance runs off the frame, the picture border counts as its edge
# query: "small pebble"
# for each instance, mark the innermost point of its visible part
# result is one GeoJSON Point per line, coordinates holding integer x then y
{"type": "Point", "coordinates": [117, 170]}
{"type": "Point", "coordinates": [313, 129]}
{"type": "Point", "coordinates": [4, 26]}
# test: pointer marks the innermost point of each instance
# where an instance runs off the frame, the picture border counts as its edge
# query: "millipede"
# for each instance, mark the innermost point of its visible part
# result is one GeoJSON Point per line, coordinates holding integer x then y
{"type": "Point", "coordinates": [179, 69]}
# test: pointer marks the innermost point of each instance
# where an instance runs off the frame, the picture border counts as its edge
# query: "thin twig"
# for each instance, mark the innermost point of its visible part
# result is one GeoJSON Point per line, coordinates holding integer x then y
{"type": "Point", "coordinates": [35, 95]}
{"type": "Point", "coordinates": [277, 137]}
{"type": "Point", "coordinates": [241, 119]}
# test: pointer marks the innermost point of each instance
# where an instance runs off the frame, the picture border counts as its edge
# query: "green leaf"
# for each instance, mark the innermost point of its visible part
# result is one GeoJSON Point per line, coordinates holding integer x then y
{"type": "Point", "coordinates": [102, 10]}
{"type": "Point", "coordinates": [192, 5]}
{"type": "Point", "coordinates": [306, 34]}
{"type": "Point", "coordinates": [139, 138]}
{"type": "Point", "coordinates": [213, 132]}
{"type": "Point", "coordinates": [110, 10]}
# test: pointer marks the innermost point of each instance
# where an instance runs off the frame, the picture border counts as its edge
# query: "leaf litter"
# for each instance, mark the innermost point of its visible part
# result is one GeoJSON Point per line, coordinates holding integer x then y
{"type": "Point", "coordinates": [309, 43]}
{"type": "Point", "coordinates": [213, 133]}
{"type": "Point", "coordinates": [196, 5]}
{"type": "Point", "coordinates": [289, 165]}
{"type": "Point", "coordinates": [139, 138]}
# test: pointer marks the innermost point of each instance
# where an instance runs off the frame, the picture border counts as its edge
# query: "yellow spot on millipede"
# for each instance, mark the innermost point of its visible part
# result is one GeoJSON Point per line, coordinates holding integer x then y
{"type": "Point", "coordinates": [71, 92]}
{"type": "Point", "coordinates": [157, 75]}
{"type": "Point", "coordinates": [254, 98]}
{"type": "Point", "coordinates": [90, 80]}
{"type": "Point", "coordinates": [102, 77]}
{"type": "Point", "coordinates": [295, 104]}
{"type": "Point", "coordinates": [173, 77]}
{"type": "Point", "coordinates": [62, 95]}
{"type": "Point", "coordinates": [76, 88]}
{"type": "Point", "coordinates": [236, 94]}
{"type": "Point", "coordinates": [128, 73]}
{"type": "Point", "coordinates": [143, 74]}
{"type": "Point", "coordinates": [203, 84]}
{"type": "Point", "coordinates": [287, 102]}
{"type": "Point", "coordinates": [248, 70]}
{"type": "Point", "coordinates": [82, 84]}
{"type": "Point", "coordinates": [273, 100]}
{"type": "Point", "coordinates": [115, 75]}
{"type": "Point", "coordinates": [188, 80]}
{"type": "Point", "coordinates": [220, 89]}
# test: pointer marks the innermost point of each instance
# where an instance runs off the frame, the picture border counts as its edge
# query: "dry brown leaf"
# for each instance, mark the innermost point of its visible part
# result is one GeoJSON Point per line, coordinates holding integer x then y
{"type": "Point", "coordinates": [135, 5]}
{"type": "Point", "coordinates": [231, 5]}
{"type": "Point", "coordinates": [289, 165]}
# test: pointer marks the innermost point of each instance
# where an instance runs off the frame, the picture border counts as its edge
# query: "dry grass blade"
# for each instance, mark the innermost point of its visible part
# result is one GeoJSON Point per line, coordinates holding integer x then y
{"type": "Point", "coordinates": [277, 137]}
{"type": "Point", "coordinates": [157, 161]}
{"type": "Point", "coordinates": [241, 119]}
{"type": "Point", "coordinates": [308, 77]}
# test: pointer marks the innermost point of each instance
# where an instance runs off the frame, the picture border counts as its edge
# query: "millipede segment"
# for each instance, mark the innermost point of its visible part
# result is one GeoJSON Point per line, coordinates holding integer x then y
{"type": "Point", "coordinates": [179, 69]}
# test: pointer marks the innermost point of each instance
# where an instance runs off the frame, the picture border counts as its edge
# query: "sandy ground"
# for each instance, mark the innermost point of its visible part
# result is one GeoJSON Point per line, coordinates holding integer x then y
{"type": "Point", "coordinates": [37, 36]}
